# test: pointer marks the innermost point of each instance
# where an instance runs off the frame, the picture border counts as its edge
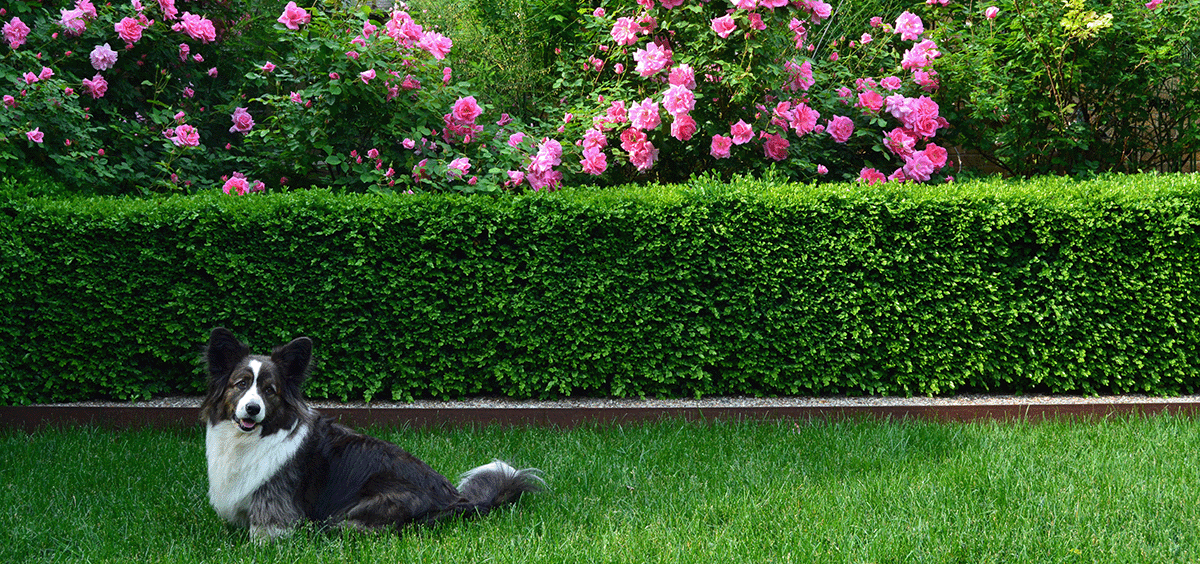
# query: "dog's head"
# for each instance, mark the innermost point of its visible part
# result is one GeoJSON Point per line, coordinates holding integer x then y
{"type": "Point", "coordinates": [254, 391]}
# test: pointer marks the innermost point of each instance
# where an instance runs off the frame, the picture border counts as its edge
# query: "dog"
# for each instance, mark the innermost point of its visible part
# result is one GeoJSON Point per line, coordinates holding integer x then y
{"type": "Point", "coordinates": [274, 462]}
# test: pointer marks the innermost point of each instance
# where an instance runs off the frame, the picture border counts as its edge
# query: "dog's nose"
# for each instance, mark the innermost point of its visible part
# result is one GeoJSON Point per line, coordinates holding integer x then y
{"type": "Point", "coordinates": [252, 409]}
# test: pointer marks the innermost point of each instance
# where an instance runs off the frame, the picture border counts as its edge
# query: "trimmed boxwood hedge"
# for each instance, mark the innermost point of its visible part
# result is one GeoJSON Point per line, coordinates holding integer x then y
{"type": "Point", "coordinates": [751, 287]}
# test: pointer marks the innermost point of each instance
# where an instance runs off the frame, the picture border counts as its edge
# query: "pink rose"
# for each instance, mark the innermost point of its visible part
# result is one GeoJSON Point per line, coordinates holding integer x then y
{"type": "Point", "coordinates": [642, 155]}
{"type": "Point", "coordinates": [103, 57]}
{"type": "Point", "coordinates": [923, 117]}
{"type": "Point", "coordinates": [10, 101]}
{"type": "Point", "coordinates": [466, 110]}
{"type": "Point", "coordinates": [15, 32]}
{"type": "Point", "coordinates": [242, 121]}
{"type": "Point", "coordinates": [594, 161]}
{"type": "Point", "coordinates": [458, 167]}
{"type": "Point", "coordinates": [684, 76]}
{"type": "Point", "coordinates": [96, 86]}
{"type": "Point", "coordinates": [991, 12]}
{"type": "Point", "coordinates": [840, 128]}
{"type": "Point", "coordinates": [436, 44]}
{"type": "Point", "coordinates": [594, 139]}
{"type": "Point", "coordinates": [683, 127]}
{"type": "Point", "coordinates": [918, 167]}
{"type": "Point", "coordinates": [72, 21]}
{"type": "Point", "coordinates": [822, 170]}
{"type": "Point", "coordinates": [548, 156]}
{"type": "Point", "coordinates": [871, 176]}
{"type": "Point", "coordinates": [720, 146]}
{"type": "Point", "coordinates": [45, 74]}
{"type": "Point", "coordinates": [899, 142]}
{"type": "Point", "coordinates": [741, 132]}
{"type": "Point", "coordinates": [515, 139]}
{"type": "Point", "coordinates": [35, 135]}
{"type": "Point", "coordinates": [196, 27]}
{"type": "Point", "coordinates": [651, 60]}
{"type": "Point", "coordinates": [645, 116]}
{"type": "Point", "coordinates": [236, 185]}
{"type": "Point", "coordinates": [184, 49]}
{"type": "Point", "coordinates": [168, 9]}
{"type": "Point", "coordinates": [870, 101]}
{"type": "Point", "coordinates": [367, 75]}
{"type": "Point", "coordinates": [678, 100]}
{"type": "Point", "coordinates": [186, 136]}
{"type": "Point", "coordinates": [268, 67]}
{"type": "Point", "coordinates": [723, 26]}
{"type": "Point", "coordinates": [804, 119]}
{"type": "Point", "coordinates": [891, 83]}
{"type": "Point", "coordinates": [293, 16]}
{"type": "Point", "coordinates": [30, 78]}
{"type": "Point", "coordinates": [776, 147]}
{"type": "Point", "coordinates": [626, 31]}
{"type": "Point", "coordinates": [909, 26]}
{"type": "Point", "coordinates": [129, 29]}
{"type": "Point", "coordinates": [937, 155]}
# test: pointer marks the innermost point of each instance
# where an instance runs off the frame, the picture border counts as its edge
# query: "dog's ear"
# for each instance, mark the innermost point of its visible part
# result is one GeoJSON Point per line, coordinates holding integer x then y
{"type": "Point", "coordinates": [223, 352]}
{"type": "Point", "coordinates": [293, 359]}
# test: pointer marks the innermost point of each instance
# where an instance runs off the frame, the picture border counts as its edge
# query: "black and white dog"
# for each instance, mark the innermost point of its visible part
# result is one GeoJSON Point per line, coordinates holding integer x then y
{"type": "Point", "coordinates": [274, 462]}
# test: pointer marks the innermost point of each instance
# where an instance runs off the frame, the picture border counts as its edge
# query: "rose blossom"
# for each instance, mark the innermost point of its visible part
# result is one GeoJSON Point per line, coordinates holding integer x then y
{"type": "Point", "coordinates": [899, 142]}
{"type": "Point", "coordinates": [168, 9]}
{"type": "Point", "coordinates": [684, 76]}
{"type": "Point", "coordinates": [840, 128]}
{"type": "Point", "coordinates": [367, 75]}
{"type": "Point", "coordinates": [909, 26]}
{"type": "Point", "coordinates": [723, 26]}
{"type": "Point", "coordinates": [458, 167]}
{"type": "Point", "coordinates": [720, 146]}
{"type": "Point", "coordinates": [96, 86]}
{"type": "Point", "coordinates": [35, 135]}
{"type": "Point", "coordinates": [776, 147]}
{"type": "Point", "coordinates": [196, 27]}
{"type": "Point", "coordinates": [993, 11]}
{"type": "Point", "coordinates": [678, 100]}
{"type": "Point", "coordinates": [594, 161]}
{"type": "Point", "coordinates": [436, 44]}
{"type": "Point", "coordinates": [15, 32]}
{"type": "Point", "coordinates": [242, 121]}
{"type": "Point", "coordinates": [683, 127]}
{"type": "Point", "coordinates": [651, 60]}
{"type": "Point", "coordinates": [293, 16]}
{"type": "Point", "coordinates": [741, 132]}
{"type": "Point", "coordinates": [918, 167]}
{"type": "Point", "coordinates": [466, 110]}
{"type": "Point", "coordinates": [645, 116]}
{"type": "Point", "coordinates": [129, 29]}
{"type": "Point", "coordinates": [103, 57]}
{"type": "Point", "coordinates": [186, 136]}
{"type": "Point", "coordinates": [72, 21]}
{"type": "Point", "coordinates": [871, 176]}
{"type": "Point", "coordinates": [870, 101]}
{"type": "Point", "coordinates": [626, 31]}
{"type": "Point", "coordinates": [891, 83]}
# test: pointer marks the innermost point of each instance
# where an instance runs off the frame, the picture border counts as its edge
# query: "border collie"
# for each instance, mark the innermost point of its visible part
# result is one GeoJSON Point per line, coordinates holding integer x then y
{"type": "Point", "coordinates": [274, 462]}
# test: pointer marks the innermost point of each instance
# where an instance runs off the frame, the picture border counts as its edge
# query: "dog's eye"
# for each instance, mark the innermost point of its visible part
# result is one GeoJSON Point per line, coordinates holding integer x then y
{"type": "Point", "coordinates": [242, 384]}
{"type": "Point", "coordinates": [270, 390]}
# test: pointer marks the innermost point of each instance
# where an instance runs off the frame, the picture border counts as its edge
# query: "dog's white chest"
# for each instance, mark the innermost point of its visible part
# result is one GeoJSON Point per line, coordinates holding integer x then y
{"type": "Point", "coordinates": [239, 463]}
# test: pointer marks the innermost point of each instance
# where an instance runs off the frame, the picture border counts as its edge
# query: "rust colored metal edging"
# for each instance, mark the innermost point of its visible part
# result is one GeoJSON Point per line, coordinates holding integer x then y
{"type": "Point", "coordinates": [30, 418]}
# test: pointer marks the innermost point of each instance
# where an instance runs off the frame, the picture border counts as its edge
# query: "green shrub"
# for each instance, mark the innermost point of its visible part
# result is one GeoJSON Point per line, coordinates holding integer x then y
{"type": "Point", "coordinates": [1054, 86]}
{"type": "Point", "coordinates": [752, 287]}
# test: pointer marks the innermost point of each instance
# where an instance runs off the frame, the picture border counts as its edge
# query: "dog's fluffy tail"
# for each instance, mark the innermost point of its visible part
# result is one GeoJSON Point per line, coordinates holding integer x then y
{"type": "Point", "coordinates": [496, 484]}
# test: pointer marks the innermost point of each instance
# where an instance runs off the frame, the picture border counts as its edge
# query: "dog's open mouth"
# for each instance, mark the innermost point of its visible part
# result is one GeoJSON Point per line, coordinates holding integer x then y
{"type": "Point", "coordinates": [246, 425]}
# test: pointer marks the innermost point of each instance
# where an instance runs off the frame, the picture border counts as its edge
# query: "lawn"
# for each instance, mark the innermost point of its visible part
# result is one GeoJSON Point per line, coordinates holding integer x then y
{"type": "Point", "coordinates": [1116, 490]}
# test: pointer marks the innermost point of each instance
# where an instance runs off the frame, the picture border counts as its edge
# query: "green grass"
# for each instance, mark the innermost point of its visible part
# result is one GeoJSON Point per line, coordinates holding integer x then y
{"type": "Point", "coordinates": [1118, 490]}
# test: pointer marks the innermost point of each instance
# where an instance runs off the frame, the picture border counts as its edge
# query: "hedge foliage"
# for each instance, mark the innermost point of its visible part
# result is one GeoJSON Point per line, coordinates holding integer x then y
{"type": "Point", "coordinates": [753, 287]}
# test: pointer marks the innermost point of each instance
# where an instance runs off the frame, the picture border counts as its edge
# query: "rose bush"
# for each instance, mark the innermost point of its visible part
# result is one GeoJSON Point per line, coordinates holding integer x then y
{"type": "Point", "coordinates": [678, 88]}
{"type": "Point", "coordinates": [134, 93]}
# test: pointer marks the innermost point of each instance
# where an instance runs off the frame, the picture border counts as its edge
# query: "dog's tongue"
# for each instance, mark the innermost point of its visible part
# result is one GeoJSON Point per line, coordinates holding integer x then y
{"type": "Point", "coordinates": [247, 424]}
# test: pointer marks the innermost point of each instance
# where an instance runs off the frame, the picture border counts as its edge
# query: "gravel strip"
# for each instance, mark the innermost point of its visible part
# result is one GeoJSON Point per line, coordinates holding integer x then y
{"type": "Point", "coordinates": [704, 403]}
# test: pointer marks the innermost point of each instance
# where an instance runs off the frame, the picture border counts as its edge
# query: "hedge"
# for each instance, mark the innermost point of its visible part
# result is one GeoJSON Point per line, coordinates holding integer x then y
{"type": "Point", "coordinates": [751, 287]}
